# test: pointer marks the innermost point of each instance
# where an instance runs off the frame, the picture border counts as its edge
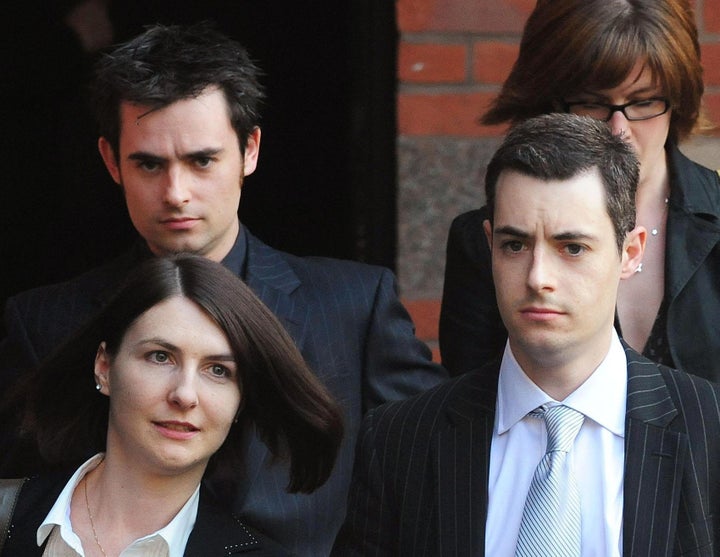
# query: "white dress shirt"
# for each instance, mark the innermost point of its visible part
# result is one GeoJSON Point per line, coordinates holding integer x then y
{"type": "Point", "coordinates": [598, 455]}
{"type": "Point", "coordinates": [169, 541]}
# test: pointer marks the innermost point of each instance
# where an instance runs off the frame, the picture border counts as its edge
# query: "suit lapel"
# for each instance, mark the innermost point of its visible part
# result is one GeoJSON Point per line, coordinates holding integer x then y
{"type": "Point", "coordinates": [690, 239]}
{"type": "Point", "coordinates": [273, 280]}
{"type": "Point", "coordinates": [462, 461]}
{"type": "Point", "coordinates": [654, 457]}
{"type": "Point", "coordinates": [693, 218]}
{"type": "Point", "coordinates": [217, 532]}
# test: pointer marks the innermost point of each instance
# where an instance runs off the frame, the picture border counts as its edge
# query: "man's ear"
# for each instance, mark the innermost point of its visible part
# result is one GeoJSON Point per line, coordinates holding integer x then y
{"type": "Point", "coordinates": [633, 249]}
{"type": "Point", "coordinates": [252, 152]}
{"type": "Point", "coordinates": [108, 156]}
{"type": "Point", "coordinates": [487, 227]}
{"type": "Point", "coordinates": [102, 369]}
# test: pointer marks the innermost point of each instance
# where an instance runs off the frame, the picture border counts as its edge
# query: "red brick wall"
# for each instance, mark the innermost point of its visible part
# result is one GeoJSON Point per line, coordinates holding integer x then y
{"type": "Point", "coordinates": [454, 54]}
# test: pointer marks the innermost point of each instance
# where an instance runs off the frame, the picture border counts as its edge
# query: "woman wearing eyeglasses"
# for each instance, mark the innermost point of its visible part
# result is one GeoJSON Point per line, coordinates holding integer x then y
{"type": "Point", "coordinates": [634, 64]}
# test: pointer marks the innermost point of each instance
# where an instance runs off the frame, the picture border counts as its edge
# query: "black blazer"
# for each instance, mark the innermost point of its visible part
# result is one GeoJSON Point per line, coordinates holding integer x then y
{"type": "Point", "coordinates": [216, 532]}
{"type": "Point", "coordinates": [420, 483]}
{"type": "Point", "coordinates": [471, 331]}
{"type": "Point", "coordinates": [347, 321]}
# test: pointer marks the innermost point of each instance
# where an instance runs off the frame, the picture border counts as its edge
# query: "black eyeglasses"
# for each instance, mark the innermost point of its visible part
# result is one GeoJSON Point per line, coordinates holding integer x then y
{"type": "Point", "coordinates": [635, 110]}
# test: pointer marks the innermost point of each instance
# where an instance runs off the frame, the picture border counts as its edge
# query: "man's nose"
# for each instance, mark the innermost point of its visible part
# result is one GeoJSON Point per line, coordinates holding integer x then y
{"type": "Point", "coordinates": [177, 188]}
{"type": "Point", "coordinates": [540, 274]}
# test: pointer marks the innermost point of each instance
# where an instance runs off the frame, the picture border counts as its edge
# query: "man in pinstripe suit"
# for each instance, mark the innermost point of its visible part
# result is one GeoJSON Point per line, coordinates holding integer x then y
{"type": "Point", "coordinates": [447, 472]}
{"type": "Point", "coordinates": [178, 113]}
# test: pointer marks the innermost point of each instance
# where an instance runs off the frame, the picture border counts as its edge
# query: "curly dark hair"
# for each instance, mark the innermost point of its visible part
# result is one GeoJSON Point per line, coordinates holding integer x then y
{"type": "Point", "coordinates": [168, 63]}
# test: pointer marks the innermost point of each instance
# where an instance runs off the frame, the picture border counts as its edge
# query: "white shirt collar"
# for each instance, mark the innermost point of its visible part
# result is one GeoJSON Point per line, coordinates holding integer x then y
{"type": "Point", "coordinates": [602, 397]}
{"type": "Point", "coordinates": [175, 534]}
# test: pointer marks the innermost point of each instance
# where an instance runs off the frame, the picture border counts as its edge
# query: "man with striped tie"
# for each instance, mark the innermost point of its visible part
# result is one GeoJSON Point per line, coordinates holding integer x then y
{"type": "Point", "coordinates": [572, 444]}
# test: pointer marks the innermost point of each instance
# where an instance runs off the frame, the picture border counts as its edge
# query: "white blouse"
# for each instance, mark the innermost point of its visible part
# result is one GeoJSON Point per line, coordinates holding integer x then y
{"type": "Point", "coordinates": [169, 541]}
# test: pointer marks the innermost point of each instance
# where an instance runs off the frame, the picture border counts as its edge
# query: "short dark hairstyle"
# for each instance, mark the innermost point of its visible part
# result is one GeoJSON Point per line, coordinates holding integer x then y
{"type": "Point", "coordinates": [571, 46]}
{"type": "Point", "coordinates": [166, 64]}
{"type": "Point", "coordinates": [293, 413]}
{"type": "Point", "coordinates": [562, 146]}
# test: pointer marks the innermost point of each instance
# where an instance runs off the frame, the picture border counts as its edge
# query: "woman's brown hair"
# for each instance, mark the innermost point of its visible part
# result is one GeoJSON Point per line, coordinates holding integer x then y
{"type": "Point", "coordinates": [574, 46]}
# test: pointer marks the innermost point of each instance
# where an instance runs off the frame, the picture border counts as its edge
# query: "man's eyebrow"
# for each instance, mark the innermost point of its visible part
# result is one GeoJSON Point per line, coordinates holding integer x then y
{"type": "Point", "coordinates": [511, 231]}
{"type": "Point", "coordinates": [571, 235]}
{"type": "Point", "coordinates": [145, 157]}
{"type": "Point", "coordinates": [202, 153]}
{"type": "Point", "coordinates": [561, 237]}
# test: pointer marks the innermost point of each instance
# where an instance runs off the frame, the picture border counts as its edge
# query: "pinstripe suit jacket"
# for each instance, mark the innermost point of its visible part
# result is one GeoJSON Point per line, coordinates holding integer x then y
{"type": "Point", "coordinates": [420, 483]}
{"type": "Point", "coordinates": [346, 319]}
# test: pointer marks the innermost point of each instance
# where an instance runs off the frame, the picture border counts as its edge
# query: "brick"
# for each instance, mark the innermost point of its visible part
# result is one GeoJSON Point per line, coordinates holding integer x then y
{"type": "Point", "coordinates": [432, 63]}
{"type": "Point", "coordinates": [426, 315]}
{"type": "Point", "coordinates": [414, 15]}
{"type": "Point", "coordinates": [711, 16]}
{"type": "Point", "coordinates": [479, 16]}
{"type": "Point", "coordinates": [444, 115]}
{"type": "Point", "coordinates": [711, 63]}
{"type": "Point", "coordinates": [492, 61]}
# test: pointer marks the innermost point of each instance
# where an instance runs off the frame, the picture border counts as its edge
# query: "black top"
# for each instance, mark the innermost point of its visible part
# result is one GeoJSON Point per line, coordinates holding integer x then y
{"type": "Point", "coordinates": [217, 532]}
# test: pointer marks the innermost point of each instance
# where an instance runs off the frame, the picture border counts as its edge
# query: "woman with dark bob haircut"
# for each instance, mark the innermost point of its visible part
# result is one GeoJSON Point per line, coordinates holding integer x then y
{"type": "Point", "coordinates": [634, 64]}
{"type": "Point", "coordinates": [187, 358]}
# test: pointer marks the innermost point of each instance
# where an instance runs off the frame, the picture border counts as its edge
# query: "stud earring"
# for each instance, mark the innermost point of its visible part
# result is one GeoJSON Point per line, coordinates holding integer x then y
{"type": "Point", "coordinates": [97, 386]}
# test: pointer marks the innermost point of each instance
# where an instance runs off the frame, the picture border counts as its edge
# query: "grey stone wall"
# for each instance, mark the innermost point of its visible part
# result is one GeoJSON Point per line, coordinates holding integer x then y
{"type": "Point", "coordinates": [438, 178]}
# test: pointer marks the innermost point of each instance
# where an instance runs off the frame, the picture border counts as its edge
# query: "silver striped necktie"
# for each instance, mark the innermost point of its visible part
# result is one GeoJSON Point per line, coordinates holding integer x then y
{"type": "Point", "coordinates": [550, 525]}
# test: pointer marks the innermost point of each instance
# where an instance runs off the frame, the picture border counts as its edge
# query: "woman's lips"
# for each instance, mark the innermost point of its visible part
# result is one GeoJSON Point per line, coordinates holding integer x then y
{"type": "Point", "coordinates": [176, 430]}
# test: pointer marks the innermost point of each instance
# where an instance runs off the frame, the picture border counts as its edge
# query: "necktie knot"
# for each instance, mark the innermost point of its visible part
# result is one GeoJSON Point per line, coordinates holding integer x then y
{"type": "Point", "coordinates": [563, 424]}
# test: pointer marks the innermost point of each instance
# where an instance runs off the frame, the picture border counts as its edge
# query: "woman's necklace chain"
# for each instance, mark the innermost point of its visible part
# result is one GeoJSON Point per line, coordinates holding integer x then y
{"type": "Point", "coordinates": [92, 524]}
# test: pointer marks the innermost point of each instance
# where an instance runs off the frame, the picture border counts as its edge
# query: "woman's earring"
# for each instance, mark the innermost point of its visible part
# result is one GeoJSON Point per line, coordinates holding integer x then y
{"type": "Point", "coordinates": [97, 386]}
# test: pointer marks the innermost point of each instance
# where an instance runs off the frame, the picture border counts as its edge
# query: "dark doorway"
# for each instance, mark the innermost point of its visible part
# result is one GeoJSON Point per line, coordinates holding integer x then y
{"type": "Point", "coordinates": [325, 184]}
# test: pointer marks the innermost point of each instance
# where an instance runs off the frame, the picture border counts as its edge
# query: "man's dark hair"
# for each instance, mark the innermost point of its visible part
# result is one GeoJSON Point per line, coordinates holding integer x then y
{"type": "Point", "coordinates": [292, 411]}
{"type": "Point", "coordinates": [562, 146]}
{"type": "Point", "coordinates": [166, 64]}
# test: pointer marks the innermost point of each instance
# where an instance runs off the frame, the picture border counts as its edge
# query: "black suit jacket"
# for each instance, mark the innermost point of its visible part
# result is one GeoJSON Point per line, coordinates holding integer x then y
{"type": "Point", "coordinates": [347, 321]}
{"type": "Point", "coordinates": [217, 533]}
{"type": "Point", "coordinates": [420, 483]}
{"type": "Point", "coordinates": [472, 333]}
